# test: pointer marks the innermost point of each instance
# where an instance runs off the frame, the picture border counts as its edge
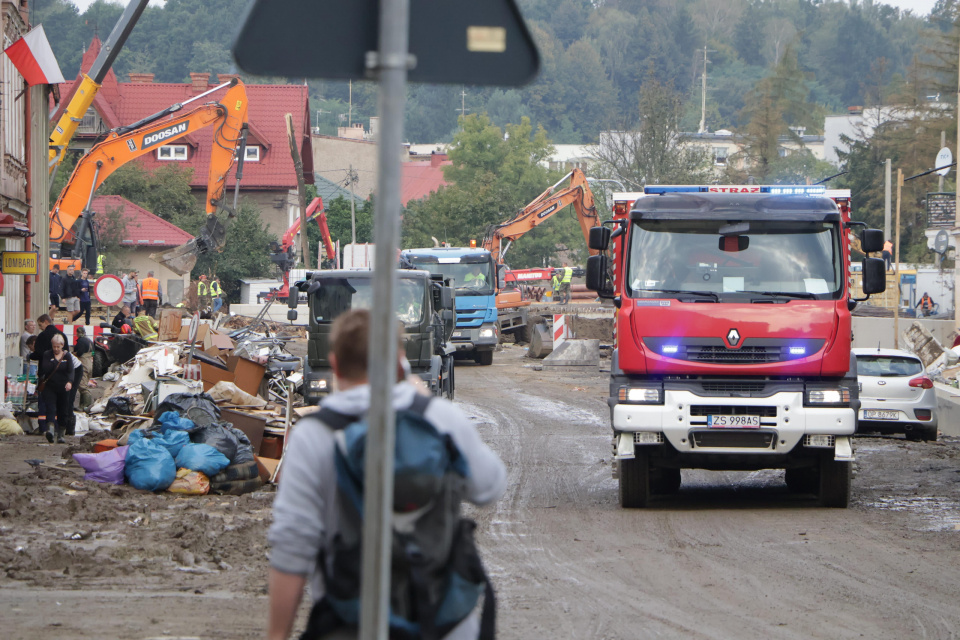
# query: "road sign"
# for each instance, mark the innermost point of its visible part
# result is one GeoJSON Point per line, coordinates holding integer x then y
{"type": "Point", "coordinates": [108, 289]}
{"type": "Point", "coordinates": [944, 159]}
{"type": "Point", "coordinates": [21, 263]}
{"type": "Point", "coordinates": [940, 243]}
{"type": "Point", "coordinates": [480, 42]}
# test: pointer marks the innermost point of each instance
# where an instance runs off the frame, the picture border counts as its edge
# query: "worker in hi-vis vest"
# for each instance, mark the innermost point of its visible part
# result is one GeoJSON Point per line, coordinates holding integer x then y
{"type": "Point", "coordinates": [151, 293]}
{"type": "Point", "coordinates": [217, 293]}
{"type": "Point", "coordinates": [203, 292]}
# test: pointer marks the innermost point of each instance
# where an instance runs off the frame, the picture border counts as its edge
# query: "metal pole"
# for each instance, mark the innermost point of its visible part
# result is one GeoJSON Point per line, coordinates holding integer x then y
{"type": "Point", "coordinates": [956, 224]}
{"type": "Point", "coordinates": [886, 199]}
{"type": "Point", "coordinates": [943, 143]}
{"type": "Point", "coordinates": [353, 212]}
{"type": "Point", "coordinates": [896, 266]}
{"type": "Point", "coordinates": [391, 63]}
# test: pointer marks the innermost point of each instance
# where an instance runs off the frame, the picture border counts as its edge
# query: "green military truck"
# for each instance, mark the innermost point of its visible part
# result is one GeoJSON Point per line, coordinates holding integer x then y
{"type": "Point", "coordinates": [424, 305]}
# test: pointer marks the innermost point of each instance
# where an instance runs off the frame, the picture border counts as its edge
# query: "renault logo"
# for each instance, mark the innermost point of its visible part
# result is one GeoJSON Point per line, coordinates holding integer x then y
{"type": "Point", "coordinates": [733, 337]}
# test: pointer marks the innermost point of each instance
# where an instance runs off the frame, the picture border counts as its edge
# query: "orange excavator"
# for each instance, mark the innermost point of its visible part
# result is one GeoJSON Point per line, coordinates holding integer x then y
{"type": "Point", "coordinates": [283, 254]}
{"type": "Point", "coordinates": [549, 202]}
{"type": "Point", "coordinates": [73, 234]}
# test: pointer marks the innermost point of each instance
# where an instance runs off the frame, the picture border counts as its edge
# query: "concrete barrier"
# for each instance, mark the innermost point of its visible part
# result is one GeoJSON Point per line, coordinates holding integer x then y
{"type": "Point", "coordinates": [948, 409]}
{"type": "Point", "coordinates": [575, 353]}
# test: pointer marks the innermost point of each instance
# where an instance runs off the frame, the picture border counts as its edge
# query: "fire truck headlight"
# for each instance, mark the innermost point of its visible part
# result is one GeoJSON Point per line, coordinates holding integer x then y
{"type": "Point", "coordinates": [828, 397]}
{"type": "Point", "coordinates": [647, 395]}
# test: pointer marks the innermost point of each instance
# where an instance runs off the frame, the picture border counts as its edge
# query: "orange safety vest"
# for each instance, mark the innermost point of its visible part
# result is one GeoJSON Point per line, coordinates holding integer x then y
{"type": "Point", "coordinates": [150, 289]}
{"type": "Point", "coordinates": [926, 302]}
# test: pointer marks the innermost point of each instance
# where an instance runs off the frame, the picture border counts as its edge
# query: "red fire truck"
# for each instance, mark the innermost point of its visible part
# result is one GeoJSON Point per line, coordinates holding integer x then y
{"type": "Point", "coordinates": [732, 334]}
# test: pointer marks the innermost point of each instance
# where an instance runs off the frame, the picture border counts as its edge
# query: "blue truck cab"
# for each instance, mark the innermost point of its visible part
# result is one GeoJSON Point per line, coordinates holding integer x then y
{"type": "Point", "coordinates": [472, 274]}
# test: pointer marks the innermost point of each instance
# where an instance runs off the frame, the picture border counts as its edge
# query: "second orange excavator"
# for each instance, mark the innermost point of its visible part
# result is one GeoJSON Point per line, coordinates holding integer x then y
{"type": "Point", "coordinates": [73, 233]}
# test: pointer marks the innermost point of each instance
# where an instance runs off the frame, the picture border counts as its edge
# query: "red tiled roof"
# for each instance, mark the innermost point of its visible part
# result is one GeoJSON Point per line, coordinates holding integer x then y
{"type": "Point", "coordinates": [121, 103]}
{"type": "Point", "coordinates": [420, 179]}
{"type": "Point", "coordinates": [144, 229]}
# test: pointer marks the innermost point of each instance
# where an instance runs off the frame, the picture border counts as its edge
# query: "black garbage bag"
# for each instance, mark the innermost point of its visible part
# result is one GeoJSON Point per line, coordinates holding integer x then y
{"type": "Point", "coordinates": [118, 405]}
{"type": "Point", "coordinates": [198, 407]}
{"type": "Point", "coordinates": [244, 447]}
{"type": "Point", "coordinates": [220, 436]}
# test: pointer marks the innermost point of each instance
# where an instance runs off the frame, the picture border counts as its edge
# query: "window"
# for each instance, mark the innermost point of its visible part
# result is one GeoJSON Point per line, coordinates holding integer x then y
{"type": "Point", "coordinates": [252, 154]}
{"type": "Point", "coordinates": [14, 118]}
{"type": "Point", "coordinates": [90, 122]}
{"type": "Point", "coordinates": [720, 155]}
{"type": "Point", "coordinates": [172, 152]}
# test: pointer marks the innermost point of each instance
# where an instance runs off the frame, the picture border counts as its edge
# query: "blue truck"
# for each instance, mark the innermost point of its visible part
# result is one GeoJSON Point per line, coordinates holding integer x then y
{"type": "Point", "coordinates": [476, 280]}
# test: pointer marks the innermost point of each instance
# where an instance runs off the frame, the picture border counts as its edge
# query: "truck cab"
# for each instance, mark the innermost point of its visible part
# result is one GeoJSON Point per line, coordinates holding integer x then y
{"type": "Point", "coordinates": [732, 335]}
{"type": "Point", "coordinates": [424, 305]}
{"type": "Point", "coordinates": [472, 274]}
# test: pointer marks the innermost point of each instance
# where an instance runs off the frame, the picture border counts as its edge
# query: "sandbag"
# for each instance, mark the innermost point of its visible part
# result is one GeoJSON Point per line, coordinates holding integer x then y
{"type": "Point", "coordinates": [190, 483]}
{"type": "Point", "coordinates": [226, 391]}
{"type": "Point", "coordinates": [202, 457]}
{"type": "Point", "coordinates": [199, 407]}
{"type": "Point", "coordinates": [242, 471]}
{"type": "Point", "coordinates": [10, 427]}
{"type": "Point", "coordinates": [149, 466]}
{"type": "Point", "coordinates": [220, 437]}
{"type": "Point", "coordinates": [106, 466]}
{"type": "Point", "coordinates": [236, 487]}
{"type": "Point", "coordinates": [244, 448]}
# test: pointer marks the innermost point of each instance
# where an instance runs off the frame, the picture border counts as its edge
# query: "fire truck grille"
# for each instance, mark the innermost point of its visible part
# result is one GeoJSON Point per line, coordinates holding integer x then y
{"type": "Point", "coordinates": [743, 355]}
{"type": "Point", "coordinates": [728, 410]}
{"type": "Point", "coordinates": [732, 439]}
{"type": "Point", "coordinates": [719, 387]}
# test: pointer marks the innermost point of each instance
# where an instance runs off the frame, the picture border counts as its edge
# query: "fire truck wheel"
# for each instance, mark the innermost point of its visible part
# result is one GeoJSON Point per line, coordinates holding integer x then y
{"type": "Point", "coordinates": [834, 481]}
{"type": "Point", "coordinates": [665, 481]}
{"type": "Point", "coordinates": [801, 480]}
{"type": "Point", "coordinates": [634, 480]}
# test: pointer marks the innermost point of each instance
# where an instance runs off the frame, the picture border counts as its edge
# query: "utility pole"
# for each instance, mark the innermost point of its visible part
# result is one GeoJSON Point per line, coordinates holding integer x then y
{"type": "Point", "coordinates": [350, 108]}
{"type": "Point", "coordinates": [703, 94]}
{"type": "Point", "coordinates": [352, 179]}
{"type": "Point", "coordinates": [463, 102]}
{"type": "Point", "coordinates": [896, 266]}
{"type": "Point", "coordinates": [888, 169]}
{"type": "Point", "coordinates": [943, 143]}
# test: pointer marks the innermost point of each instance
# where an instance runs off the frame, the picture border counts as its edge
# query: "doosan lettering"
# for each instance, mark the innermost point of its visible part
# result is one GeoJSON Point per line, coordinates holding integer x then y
{"type": "Point", "coordinates": [159, 136]}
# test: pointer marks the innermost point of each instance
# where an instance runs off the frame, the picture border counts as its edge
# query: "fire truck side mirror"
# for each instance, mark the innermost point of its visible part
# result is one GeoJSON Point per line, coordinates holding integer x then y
{"type": "Point", "coordinates": [874, 276]}
{"type": "Point", "coordinates": [446, 298]}
{"type": "Point", "coordinates": [291, 315]}
{"type": "Point", "coordinates": [871, 240]}
{"type": "Point", "coordinates": [597, 275]}
{"type": "Point", "coordinates": [599, 238]}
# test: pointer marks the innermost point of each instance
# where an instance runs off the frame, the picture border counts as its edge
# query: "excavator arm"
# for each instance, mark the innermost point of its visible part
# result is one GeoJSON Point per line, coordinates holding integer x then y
{"type": "Point", "coordinates": [543, 207]}
{"type": "Point", "coordinates": [228, 116]}
{"type": "Point", "coordinates": [282, 254]}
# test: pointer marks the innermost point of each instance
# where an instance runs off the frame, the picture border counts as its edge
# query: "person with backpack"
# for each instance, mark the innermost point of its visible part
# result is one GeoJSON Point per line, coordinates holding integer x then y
{"type": "Point", "coordinates": [317, 515]}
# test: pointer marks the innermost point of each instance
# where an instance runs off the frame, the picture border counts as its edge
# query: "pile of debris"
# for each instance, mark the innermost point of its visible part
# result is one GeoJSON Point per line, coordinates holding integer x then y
{"type": "Point", "coordinates": [942, 364]}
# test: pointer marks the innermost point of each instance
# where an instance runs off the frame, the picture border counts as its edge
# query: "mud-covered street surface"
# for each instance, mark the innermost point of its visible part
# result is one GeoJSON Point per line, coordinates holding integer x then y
{"type": "Point", "coordinates": [731, 555]}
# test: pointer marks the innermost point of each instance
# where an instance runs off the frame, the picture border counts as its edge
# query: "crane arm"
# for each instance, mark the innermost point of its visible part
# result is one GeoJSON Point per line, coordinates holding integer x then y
{"type": "Point", "coordinates": [90, 83]}
{"type": "Point", "coordinates": [543, 207]}
{"type": "Point", "coordinates": [125, 144]}
{"type": "Point", "coordinates": [314, 211]}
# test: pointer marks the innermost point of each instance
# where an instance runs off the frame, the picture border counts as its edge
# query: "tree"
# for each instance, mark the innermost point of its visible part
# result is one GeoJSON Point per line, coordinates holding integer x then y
{"type": "Point", "coordinates": [650, 150]}
{"type": "Point", "coordinates": [493, 176]}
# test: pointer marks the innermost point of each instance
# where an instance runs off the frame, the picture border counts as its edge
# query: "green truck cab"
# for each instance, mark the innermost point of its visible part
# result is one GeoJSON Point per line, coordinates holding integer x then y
{"type": "Point", "coordinates": [425, 306]}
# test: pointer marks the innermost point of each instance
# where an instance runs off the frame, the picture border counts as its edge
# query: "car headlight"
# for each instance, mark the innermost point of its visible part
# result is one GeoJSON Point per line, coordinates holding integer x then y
{"type": "Point", "coordinates": [318, 385]}
{"type": "Point", "coordinates": [641, 395]}
{"type": "Point", "coordinates": [839, 396]}
{"type": "Point", "coordinates": [486, 333]}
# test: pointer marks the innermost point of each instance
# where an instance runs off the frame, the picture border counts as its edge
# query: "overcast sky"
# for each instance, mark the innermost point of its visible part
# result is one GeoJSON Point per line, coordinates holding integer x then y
{"type": "Point", "coordinates": [921, 7]}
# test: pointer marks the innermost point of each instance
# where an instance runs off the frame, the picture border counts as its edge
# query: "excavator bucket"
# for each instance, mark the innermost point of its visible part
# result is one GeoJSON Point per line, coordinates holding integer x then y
{"type": "Point", "coordinates": [181, 260]}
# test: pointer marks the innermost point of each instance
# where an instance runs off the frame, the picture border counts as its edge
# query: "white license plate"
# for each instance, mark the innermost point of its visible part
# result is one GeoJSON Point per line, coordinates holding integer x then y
{"type": "Point", "coordinates": [457, 334]}
{"type": "Point", "coordinates": [876, 414]}
{"type": "Point", "coordinates": [742, 422]}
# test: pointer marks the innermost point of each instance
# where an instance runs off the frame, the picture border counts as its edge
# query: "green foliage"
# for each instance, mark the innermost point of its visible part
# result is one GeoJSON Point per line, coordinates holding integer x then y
{"type": "Point", "coordinates": [493, 178]}
{"type": "Point", "coordinates": [113, 230]}
{"type": "Point", "coordinates": [165, 192]}
{"type": "Point", "coordinates": [339, 225]}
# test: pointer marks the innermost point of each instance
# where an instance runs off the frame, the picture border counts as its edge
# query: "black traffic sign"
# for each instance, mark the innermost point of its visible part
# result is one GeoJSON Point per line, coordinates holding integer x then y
{"type": "Point", "coordinates": [480, 42]}
{"type": "Point", "coordinates": [941, 241]}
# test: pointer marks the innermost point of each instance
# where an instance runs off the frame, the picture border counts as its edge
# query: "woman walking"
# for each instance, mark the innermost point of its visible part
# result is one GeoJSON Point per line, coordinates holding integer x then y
{"type": "Point", "coordinates": [56, 381]}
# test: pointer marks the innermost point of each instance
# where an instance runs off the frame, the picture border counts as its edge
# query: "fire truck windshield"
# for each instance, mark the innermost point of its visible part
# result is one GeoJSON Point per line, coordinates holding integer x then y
{"type": "Point", "coordinates": [731, 261]}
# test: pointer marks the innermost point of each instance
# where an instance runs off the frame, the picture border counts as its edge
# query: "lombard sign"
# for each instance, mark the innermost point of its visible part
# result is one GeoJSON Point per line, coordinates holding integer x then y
{"type": "Point", "coordinates": [21, 263]}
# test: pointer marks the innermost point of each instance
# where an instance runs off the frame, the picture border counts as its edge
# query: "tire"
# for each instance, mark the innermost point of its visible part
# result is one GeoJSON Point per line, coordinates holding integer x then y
{"type": "Point", "coordinates": [918, 433]}
{"type": "Point", "coordinates": [451, 378]}
{"type": "Point", "coordinates": [665, 481]}
{"type": "Point", "coordinates": [485, 358]}
{"type": "Point", "coordinates": [243, 471]}
{"type": "Point", "coordinates": [634, 478]}
{"type": "Point", "coordinates": [835, 482]}
{"type": "Point", "coordinates": [236, 487]}
{"type": "Point", "coordinates": [802, 480]}
{"type": "Point", "coordinates": [100, 364]}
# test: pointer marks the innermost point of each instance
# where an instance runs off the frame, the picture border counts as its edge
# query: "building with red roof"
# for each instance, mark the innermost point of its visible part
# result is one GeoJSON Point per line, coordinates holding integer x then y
{"type": "Point", "coordinates": [143, 234]}
{"type": "Point", "coordinates": [269, 179]}
{"type": "Point", "coordinates": [421, 178]}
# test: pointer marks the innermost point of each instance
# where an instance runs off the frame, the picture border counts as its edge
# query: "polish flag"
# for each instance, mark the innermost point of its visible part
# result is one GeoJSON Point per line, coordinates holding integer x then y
{"type": "Point", "coordinates": [34, 59]}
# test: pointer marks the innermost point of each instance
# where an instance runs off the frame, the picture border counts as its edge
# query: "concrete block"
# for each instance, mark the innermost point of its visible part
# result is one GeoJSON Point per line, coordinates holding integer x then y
{"type": "Point", "coordinates": [583, 353]}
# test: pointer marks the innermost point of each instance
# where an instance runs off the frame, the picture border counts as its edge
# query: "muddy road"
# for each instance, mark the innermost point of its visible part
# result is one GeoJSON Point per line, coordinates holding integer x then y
{"type": "Point", "coordinates": [732, 555]}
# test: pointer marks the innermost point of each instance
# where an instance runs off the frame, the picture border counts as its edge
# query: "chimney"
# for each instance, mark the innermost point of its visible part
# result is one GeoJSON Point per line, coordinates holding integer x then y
{"type": "Point", "coordinates": [200, 82]}
{"type": "Point", "coordinates": [857, 110]}
{"type": "Point", "coordinates": [146, 78]}
{"type": "Point", "coordinates": [223, 78]}
{"type": "Point", "coordinates": [437, 158]}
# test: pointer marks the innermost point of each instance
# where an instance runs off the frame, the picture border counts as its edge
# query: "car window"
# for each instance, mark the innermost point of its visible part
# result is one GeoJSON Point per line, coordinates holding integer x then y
{"type": "Point", "coordinates": [886, 366]}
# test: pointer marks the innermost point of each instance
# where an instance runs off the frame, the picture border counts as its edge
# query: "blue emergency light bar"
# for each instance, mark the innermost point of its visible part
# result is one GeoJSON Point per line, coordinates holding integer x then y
{"type": "Point", "coordinates": [775, 189]}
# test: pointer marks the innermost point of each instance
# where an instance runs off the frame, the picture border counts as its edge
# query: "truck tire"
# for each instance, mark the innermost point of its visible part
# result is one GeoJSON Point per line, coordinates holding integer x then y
{"type": "Point", "coordinates": [485, 358]}
{"type": "Point", "coordinates": [451, 378]}
{"type": "Point", "coordinates": [634, 478]}
{"type": "Point", "coordinates": [802, 479]}
{"type": "Point", "coordinates": [835, 481]}
{"type": "Point", "coordinates": [100, 364]}
{"type": "Point", "coordinates": [665, 481]}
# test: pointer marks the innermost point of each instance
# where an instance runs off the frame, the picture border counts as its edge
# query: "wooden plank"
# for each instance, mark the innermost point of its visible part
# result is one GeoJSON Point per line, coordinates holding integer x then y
{"type": "Point", "coordinates": [170, 322]}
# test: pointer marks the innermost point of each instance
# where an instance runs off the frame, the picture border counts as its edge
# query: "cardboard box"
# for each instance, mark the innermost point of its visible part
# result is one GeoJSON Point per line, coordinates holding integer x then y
{"type": "Point", "coordinates": [204, 340]}
{"type": "Point", "coordinates": [267, 467]}
{"type": "Point", "coordinates": [246, 374]}
{"type": "Point", "coordinates": [170, 323]}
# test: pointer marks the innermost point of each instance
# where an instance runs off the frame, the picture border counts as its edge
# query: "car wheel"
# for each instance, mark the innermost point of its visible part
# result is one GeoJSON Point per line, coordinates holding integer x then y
{"type": "Point", "coordinates": [918, 433]}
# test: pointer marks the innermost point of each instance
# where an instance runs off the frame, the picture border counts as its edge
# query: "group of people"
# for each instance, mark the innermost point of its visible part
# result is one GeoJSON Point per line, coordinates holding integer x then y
{"type": "Point", "coordinates": [61, 375]}
{"type": "Point", "coordinates": [70, 292]}
{"type": "Point", "coordinates": [146, 295]}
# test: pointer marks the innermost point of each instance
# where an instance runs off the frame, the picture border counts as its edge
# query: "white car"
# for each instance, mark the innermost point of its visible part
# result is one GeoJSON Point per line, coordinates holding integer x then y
{"type": "Point", "coordinates": [895, 394]}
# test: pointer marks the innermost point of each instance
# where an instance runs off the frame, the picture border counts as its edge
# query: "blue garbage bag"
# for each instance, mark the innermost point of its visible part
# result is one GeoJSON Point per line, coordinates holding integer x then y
{"type": "Point", "coordinates": [202, 457]}
{"type": "Point", "coordinates": [149, 466]}
{"type": "Point", "coordinates": [173, 441]}
{"type": "Point", "coordinates": [171, 420]}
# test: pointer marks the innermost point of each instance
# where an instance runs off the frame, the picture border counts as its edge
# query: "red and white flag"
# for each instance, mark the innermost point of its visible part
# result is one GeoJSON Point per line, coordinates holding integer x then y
{"type": "Point", "coordinates": [34, 59]}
